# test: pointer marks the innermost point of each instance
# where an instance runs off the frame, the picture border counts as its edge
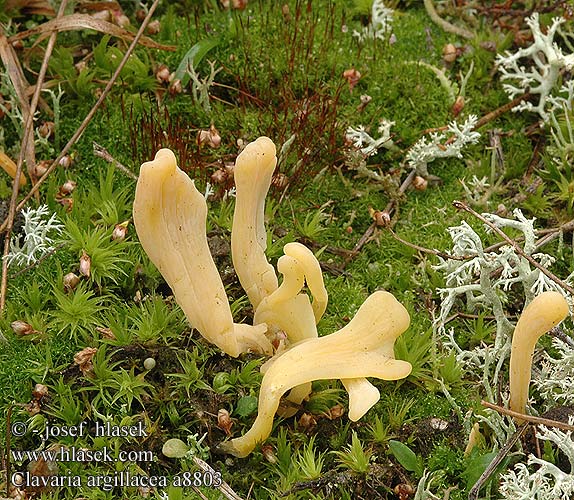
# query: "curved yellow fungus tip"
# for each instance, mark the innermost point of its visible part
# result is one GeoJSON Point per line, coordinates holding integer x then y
{"type": "Point", "coordinates": [542, 314]}
{"type": "Point", "coordinates": [253, 171]}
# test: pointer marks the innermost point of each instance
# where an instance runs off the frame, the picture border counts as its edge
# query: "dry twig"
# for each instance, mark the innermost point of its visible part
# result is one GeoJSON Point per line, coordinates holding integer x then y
{"type": "Point", "coordinates": [529, 418]}
{"type": "Point", "coordinates": [225, 489]}
{"type": "Point", "coordinates": [103, 153]}
{"type": "Point", "coordinates": [473, 493]}
{"type": "Point", "coordinates": [27, 138]}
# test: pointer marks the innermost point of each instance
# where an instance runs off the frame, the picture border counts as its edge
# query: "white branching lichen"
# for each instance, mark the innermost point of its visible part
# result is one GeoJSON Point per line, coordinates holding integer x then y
{"type": "Point", "coordinates": [379, 26]}
{"type": "Point", "coordinates": [442, 145]}
{"type": "Point", "coordinates": [547, 481]}
{"type": "Point", "coordinates": [556, 380]}
{"type": "Point", "coordinates": [540, 78]}
{"type": "Point", "coordinates": [361, 139]}
{"type": "Point", "coordinates": [38, 232]}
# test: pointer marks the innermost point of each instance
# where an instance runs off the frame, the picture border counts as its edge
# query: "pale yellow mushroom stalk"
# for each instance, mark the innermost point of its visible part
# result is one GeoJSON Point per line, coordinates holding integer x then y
{"type": "Point", "coordinates": [170, 217]}
{"type": "Point", "coordinates": [363, 348]}
{"type": "Point", "coordinates": [542, 314]}
{"type": "Point", "coordinates": [252, 174]}
{"type": "Point", "coordinates": [291, 311]}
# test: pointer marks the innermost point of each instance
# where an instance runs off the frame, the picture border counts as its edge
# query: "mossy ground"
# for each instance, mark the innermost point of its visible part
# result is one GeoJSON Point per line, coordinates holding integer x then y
{"type": "Point", "coordinates": [281, 75]}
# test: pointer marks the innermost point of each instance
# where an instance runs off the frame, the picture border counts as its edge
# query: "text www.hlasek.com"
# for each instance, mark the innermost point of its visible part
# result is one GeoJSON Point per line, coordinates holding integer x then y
{"type": "Point", "coordinates": [82, 455]}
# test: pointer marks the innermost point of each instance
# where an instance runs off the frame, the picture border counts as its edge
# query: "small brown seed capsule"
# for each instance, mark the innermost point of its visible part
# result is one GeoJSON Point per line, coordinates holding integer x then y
{"type": "Point", "coordinates": [22, 328]}
{"type": "Point", "coordinates": [307, 421]}
{"type": "Point", "coordinates": [40, 391]}
{"type": "Point", "coordinates": [404, 491]}
{"type": "Point", "coordinates": [67, 203]}
{"type": "Point", "coordinates": [219, 176]}
{"type": "Point", "coordinates": [154, 27]}
{"type": "Point", "coordinates": [85, 264]}
{"type": "Point", "coordinates": [210, 137]}
{"type": "Point", "coordinates": [84, 359]}
{"type": "Point", "coordinates": [449, 53]}
{"type": "Point", "coordinates": [420, 183]}
{"type": "Point", "coordinates": [162, 74]}
{"type": "Point", "coordinates": [336, 412]}
{"type": "Point", "coordinates": [47, 129]}
{"type": "Point", "coordinates": [70, 281]}
{"type": "Point", "coordinates": [68, 187]}
{"type": "Point", "coordinates": [269, 453]}
{"type": "Point", "coordinates": [458, 105]}
{"type": "Point", "coordinates": [120, 231]}
{"type": "Point", "coordinates": [381, 218]}
{"type": "Point", "coordinates": [66, 161]}
{"type": "Point", "coordinates": [41, 168]}
{"type": "Point", "coordinates": [224, 421]}
{"type": "Point", "coordinates": [175, 87]}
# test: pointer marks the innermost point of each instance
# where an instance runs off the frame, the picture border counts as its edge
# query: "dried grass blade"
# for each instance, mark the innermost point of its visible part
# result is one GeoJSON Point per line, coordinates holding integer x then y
{"type": "Point", "coordinates": [16, 75]}
{"type": "Point", "coordinates": [31, 7]}
{"type": "Point", "coordinates": [75, 22]}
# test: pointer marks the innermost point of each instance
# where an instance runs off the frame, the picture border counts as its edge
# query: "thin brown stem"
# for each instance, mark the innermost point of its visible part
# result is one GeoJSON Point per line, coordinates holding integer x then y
{"type": "Point", "coordinates": [438, 253]}
{"type": "Point", "coordinates": [493, 115]}
{"type": "Point", "coordinates": [103, 153]}
{"type": "Point", "coordinates": [528, 418]}
{"type": "Point", "coordinates": [463, 206]}
{"type": "Point", "coordinates": [28, 136]}
{"type": "Point", "coordinates": [92, 112]}
{"type": "Point", "coordinates": [473, 493]}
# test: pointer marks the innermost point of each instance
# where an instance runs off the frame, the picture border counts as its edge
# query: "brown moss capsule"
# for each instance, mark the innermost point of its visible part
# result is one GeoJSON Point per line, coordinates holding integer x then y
{"type": "Point", "coordinates": [449, 53]}
{"type": "Point", "coordinates": [458, 105]}
{"type": "Point", "coordinates": [40, 391]}
{"type": "Point", "coordinates": [162, 74]}
{"type": "Point", "coordinates": [154, 27]}
{"type": "Point", "coordinates": [41, 168]}
{"type": "Point", "coordinates": [420, 183]}
{"type": "Point", "coordinates": [84, 359]}
{"type": "Point", "coordinates": [68, 187]}
{"type": "Point", "coordinates": [224, 421]}
{"type": "Point", "coordinates": [120, 231]}
{"type": "Point", "coordinates": [66, 161]}
{"type": "Point", "coordinates": [70, 282]}
{"type": "Point", "coordinates": [382, 218]}
{"type": "Point", "coordinates": [22, 328]}
{"type": "Point", "coordinates": [219, 176]}
{"type": "Point", "coordinates": [85, 264]}
{"type": "Point", "coordinates": [46, 130]}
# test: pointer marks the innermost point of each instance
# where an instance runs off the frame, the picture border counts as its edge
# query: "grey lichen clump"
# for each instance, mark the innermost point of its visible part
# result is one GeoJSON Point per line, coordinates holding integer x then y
{"type": "Point", "coordinates": [542, 77]}
{"type": "Point", "coordinates": [38, 233]}
{"type": "Point", "coordinates": [547, 481]}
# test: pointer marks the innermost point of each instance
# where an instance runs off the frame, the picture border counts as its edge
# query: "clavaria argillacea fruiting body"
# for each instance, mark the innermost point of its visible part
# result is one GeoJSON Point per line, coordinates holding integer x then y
{"type": "Point", "coordinates": [170, 219]}
{"type": "Point", "coordinates": [543, 313]}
